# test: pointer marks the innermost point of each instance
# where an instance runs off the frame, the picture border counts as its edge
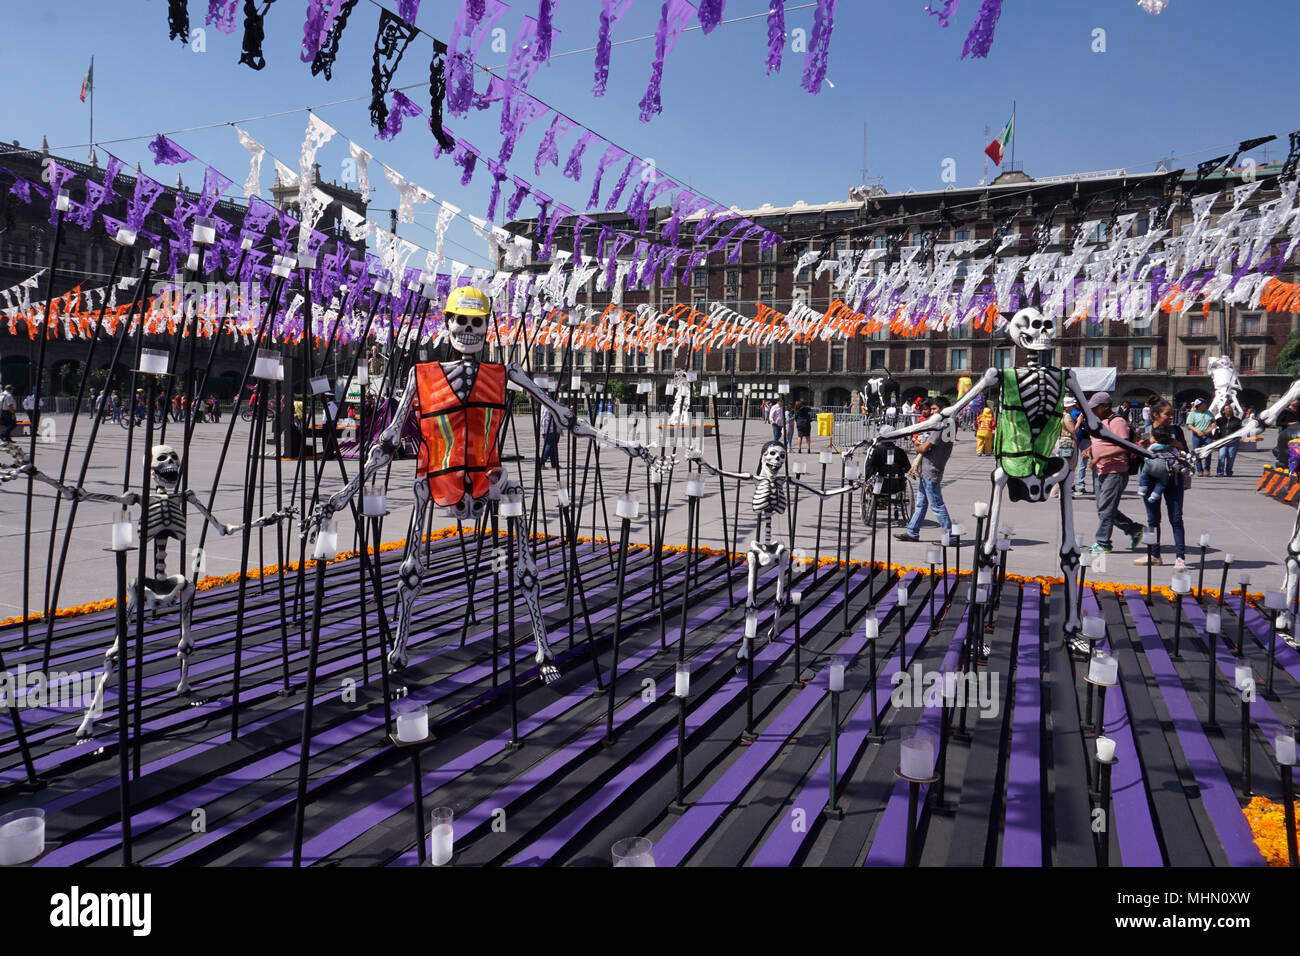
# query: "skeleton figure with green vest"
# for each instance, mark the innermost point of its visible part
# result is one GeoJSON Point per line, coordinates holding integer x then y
{"type": "Point", "coordinates": [1031, 399]}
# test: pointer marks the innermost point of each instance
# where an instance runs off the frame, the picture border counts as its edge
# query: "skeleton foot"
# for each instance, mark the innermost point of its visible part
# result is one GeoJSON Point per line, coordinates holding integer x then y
{"type": "Point", "coordinates": [96, 708]}
{"type": "Point", "coordinates": [397, 659]}
{"type": "Point", "coordinates": [546, 666]}
{"type": "Point", "coordinates": [183, 652]}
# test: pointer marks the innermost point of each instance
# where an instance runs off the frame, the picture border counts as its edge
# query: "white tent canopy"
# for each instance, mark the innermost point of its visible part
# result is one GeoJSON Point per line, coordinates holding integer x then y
{"type": "Point", "coordinates": [1096, 379]}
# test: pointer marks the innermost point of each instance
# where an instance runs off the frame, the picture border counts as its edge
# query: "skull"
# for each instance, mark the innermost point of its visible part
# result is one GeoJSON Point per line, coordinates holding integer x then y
{"type": "Point", "coordinates": [1031, 330]}
{"type": "Point", "coordinates": [772, 458]}
{"type": "Point", "coordinates": [166, 465]}
{"type": "Point", "coordinates": [466, 332]}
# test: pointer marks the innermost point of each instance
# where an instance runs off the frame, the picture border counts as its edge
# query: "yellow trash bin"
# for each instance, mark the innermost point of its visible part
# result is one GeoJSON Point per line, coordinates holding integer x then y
{"type": "Point", "coordinates": [825, 422]}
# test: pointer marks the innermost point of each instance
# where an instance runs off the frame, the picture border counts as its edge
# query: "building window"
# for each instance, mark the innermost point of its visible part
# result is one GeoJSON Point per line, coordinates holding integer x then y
{"type": "Point", "coordinates": [1092, 358]}
{"type": "Point", "coordinates": [733, 277]}
{"type": "Point", "coordinates": [697, 361]}
{"type": "Point", "coordinates": [767, 275]}
{"type": "Point", "coordinates": [959, 332]}
{"type": "Point", "coordinates": [729, 360]}
{"type": "Point", "coordinates": [837, 358]}
{"type": "Point", "coordinates": [916, 360]}
{"type": "Point", "coordinates": [1250, 323]}
{"type": "Point", "coordinates": [767, 255]}
{"type": "Point", "coordinates": [801, 360]}
{"type": "Point", "coordinates": [1196, 325]}
{"type": "Point", "coordinates": [881, 242]}
{"type": "Point", "coordinates": [881, 334]}
{"type": "Point", "coordinates": [961, 235]}
{"type": "Point", "coordinates": [1095, 329]}
{"type": "Point", "coordinates": [1249, 360]}
{"type": "Point", "coordinates": [1196, 360]}
{"type": "Point", "coordinates": [957, 360]}
{"type": "Point", "coordinates": [700, 277]}
{"type": "Point", "coordinates": [765, 360]}
{"type": "Point", "coordinates": [1002, 358]}
{"type": "Point", "coordinates": [640, 359]}
{"type": "Point", "coordinates": [701, 303]}
{"type": "Point", "coordinates": [800, 295]}
{"type": "Point", "coordinates": [877, 359]}
{"type": "Point", "coordinates": [1141, 357]}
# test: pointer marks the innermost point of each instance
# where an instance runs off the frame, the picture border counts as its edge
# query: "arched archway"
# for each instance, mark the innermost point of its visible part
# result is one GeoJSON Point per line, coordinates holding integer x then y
{"type": "Point", "coordinates": [1253, 399]}
{"type": "Point", "coordinates": [1189, 395]}
{"type": "Point", "coordinates": [915, 392]}
{"type": "Point", "coordinates": [838, 397]}
{"type": "Point", "coordinates": [802, 392]}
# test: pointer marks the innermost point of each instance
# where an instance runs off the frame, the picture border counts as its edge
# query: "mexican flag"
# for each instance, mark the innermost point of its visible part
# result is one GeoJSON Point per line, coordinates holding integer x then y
{"type": "Point", "coordinates": [88, 81]}
{"type": "Point", "coordinates": [998, 148]}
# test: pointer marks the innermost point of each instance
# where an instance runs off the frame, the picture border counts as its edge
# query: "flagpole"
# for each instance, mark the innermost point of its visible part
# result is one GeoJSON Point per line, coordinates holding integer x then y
{"type": "Point", "coordinates": [92, 105]}
{"type": "Point", "coordinates": [1013, 131]}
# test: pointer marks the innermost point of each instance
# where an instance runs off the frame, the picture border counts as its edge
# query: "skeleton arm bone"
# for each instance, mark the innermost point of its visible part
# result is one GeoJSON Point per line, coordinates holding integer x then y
{"type": "Point", "coordinates": [1248, 431]}
{"type": "Point", "coordinates": [567, 419]}
{"type": "Point", "coordinates": [224, 529]}
{"type": "Point", "coordinates": [947, 418]}
{"type": "Point", "coordinates": [695, 456]}
{"type": "Point", "coordinates": [851, 486]}
{"type": "Point", "coordinates": [381, 454]}
{"type": "Point", "coordinates": [1095, 426]}
{"type": "Point", "coordinates": [1270, 414]}
{"type": "Point", "coordinates": [73, 492]}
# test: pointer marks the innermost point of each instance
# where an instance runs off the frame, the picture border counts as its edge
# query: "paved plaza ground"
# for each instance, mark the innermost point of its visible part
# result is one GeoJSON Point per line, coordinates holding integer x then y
{"type": "Point", "coordinates": [1252, 527]}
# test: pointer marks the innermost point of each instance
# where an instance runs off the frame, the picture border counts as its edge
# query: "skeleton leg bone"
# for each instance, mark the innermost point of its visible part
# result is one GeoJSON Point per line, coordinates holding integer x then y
{"type": "Point", "coordinates": [530, 584]}
{"type": "Point", "coordinates": [183, 590]}
{"type": "Point", "coordinates": [411, 574]}
{"type": "Point", "coordinates": [1070, 568]}
{"type": "Point", "coordinates": [96, 707]}
{"type": "Point", "coordinates": [751, 599]}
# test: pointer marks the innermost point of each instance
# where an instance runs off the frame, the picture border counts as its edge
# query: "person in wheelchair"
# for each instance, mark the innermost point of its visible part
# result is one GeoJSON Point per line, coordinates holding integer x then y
{"type": "Point", "coordinates": [888, 464]}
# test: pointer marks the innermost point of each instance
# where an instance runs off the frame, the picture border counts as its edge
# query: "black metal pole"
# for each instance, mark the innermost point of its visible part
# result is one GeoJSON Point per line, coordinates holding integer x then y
{"type": "Point", "coordinates": [624, 531]}
{"type": "Point", "coordinates": [300, 801]}
{"type": "Point", "coordinates": [123, 754]}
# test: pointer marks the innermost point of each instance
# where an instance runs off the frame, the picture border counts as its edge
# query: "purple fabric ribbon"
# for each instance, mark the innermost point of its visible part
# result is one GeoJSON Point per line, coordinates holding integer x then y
{"type": "Point", "coordinates": [545, 28]}
{"type": "Point", "coordinates": [473, 23]}
{"type": "Point", "coordinates": [526, 108]}
{"type": "Point", "coordinates": [673, 17]}
{"type": "Point", "coordinates": [498, 171]}
{"type": "Point", "coordinates": [167, 153]}
{"type": "Point", "coordinates": [221, 14]}
{"type": "Point", "coordinates": [819, 45]}
{"type": "Point", "coordinates": [710, 219]}
{"type": "Point", "coordinates": [611, 155]}
{"type": "Point", "coordinates": [711, 14]}
{"type": "Point", "coordinates": [58, 175]}
{"type": "Point", "coordinates": [980, 38]}
{"type": "Point", "coordinates": [944, 15]}
{"type": "Point", "coordinates": [548, 153]}
{"type": "Point", "coordinates": [679, 208]}
{"type": "Point", "coordinates": [573, 168]}
{"type": "Point", "coordinates": [611, 11]}
{"type": "Point", "coordinates": [145, 195]}
{"type": "Point", "coordinates": [775, 35]}
{"type": "Point", "coordinates": [407, 10]}
{"type": "Point", "coordinates": [522, 189]}
{"type": "Point", "coordinates": [557, 216]}
{"type": "Point", "coordinates": [579, 224]}
{"type": "Point", "coordinates": [621, 184]}
{"type": "Point", "coordinates": [313, 29]}
{"type": "Point", "coordinates": [402, 107]}
{"type": "Point", "coordinates": [466, 157]}
{"type": "Point", "coordinates": [214, 185]}
{"type": "Point", "coordinates": [621, 239]}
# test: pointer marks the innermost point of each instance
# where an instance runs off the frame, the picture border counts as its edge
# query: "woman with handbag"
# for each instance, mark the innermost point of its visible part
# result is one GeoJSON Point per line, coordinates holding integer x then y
{"type": "Point", "coordinates": [1165, 478]}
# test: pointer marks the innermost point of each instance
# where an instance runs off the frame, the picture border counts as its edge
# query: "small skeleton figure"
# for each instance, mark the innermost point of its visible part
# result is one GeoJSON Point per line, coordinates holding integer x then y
{"type": "Point", "coordinates": [460, 407]}
{"type": "Point", "coordinates": [1251, 428]}
{"type": "Point", "coordinates": [681, 413]}
{"type": "Point", "coordinates": [877, 390]}
{"type": "Point", "coordinates": [1227, 386]}
{"type": "Point", "coordinates": [1032, 398]}
{"type": "Point", "coordinates": [166, 522]}
{"type": "Point", "coordinates": [770, 498]}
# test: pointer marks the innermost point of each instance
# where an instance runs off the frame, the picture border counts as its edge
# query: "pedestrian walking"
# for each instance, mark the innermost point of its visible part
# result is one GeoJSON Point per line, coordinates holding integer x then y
{"type": "Point", "coordinates": [776, 418]}
{"type": "Point", "coordinates": [1164, 433]}
{"type": "Point", "coordinates": [985, 426]}
{"type": "Point", "coordinates": [550, 430]}
{"type": "Point", "coordinates": [1111, 462]}
{"type": "Point", "coordinates": [1199, 426]}
{"type": "Point", "coordinates": [803, 424]}
{"type": "Point", "coordinates": [935, 450]}
{"type": "Point", "coordinates": [8, 413]}
{"type": "Point", "coordinates": [1227, 424]}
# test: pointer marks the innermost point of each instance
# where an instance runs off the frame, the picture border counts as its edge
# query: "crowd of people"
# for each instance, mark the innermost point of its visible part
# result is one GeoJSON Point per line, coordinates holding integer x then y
{"type": "Point", "coordinates": [110, 406]}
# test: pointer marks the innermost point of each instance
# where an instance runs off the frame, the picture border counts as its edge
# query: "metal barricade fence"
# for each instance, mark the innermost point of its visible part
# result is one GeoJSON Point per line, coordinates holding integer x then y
{"type": "Point", "coordinates": [847, 429]}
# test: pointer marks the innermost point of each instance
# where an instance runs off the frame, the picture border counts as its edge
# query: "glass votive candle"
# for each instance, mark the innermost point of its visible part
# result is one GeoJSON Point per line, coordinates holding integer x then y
{"type": "Point", "coordinates": [835, 678]}
{"type": "Point", "coordinates": [1244, 581]}
{"type": "Point", "coordinates": [1229, 558]}
{"type": "Point", "coordinates": [412, 718]}
{"type": "Point", "coordinates": [125, 237]}
{"type": "Point", "coordinates": [363, 375]}
{"type": "Point", "coordinates": [628, 508]}
{"type": "Point", "coordinates": [1094, 628]}
{"type": "Point", "coordinates": [796, 598]}
{"type": "Point", "coordinates": [153, 361]}
{"type": "Point", "coordinates": [1103, 669]}
{"type": "Point", "coordinates": [985, 577]}
{"type": "Point", "coordinates": [512, 506]}
{"type": "Point", "coordinates": [981, 509]}
{"type": "Point", "coordinates": [933, 556]}
{"type": "Point", "coordinates": [824, 457]}
{"type": "Point", "coordinates": [1243, 678]}
{"type": "Point", "coordinates": [633, 851]}
{"type": "Point", "coordinates": [327, 542]}
{"type": "Point", "coordinates": [902, 595]}
{"type": "Point", "coordinates": [751, 625]}
{"type": "Point", "coordinates": [799, 467]}
{"type": "Point", "coordinates": [694, 488]}
{"type": "Point", "coordinates": [1105, 749]}
{"type": "Point", "coordinates": [1148, 536]}
{"type": "Point", "coordinates": [123, 532]}
{"type": "Point", "coordinates": [877, 487]}
{"type": "Point", "coordinates": [22, 836]}
{"type": "Point", "coordinates": [281, 266]}
{"type": "Point", "coordinates": [958, 530]}
{"type": "Point", "coordinates": [320, 385]}
{"type": "Point", "coordinates": [203, 231]}
{"type": "Point", "coordinates": [1213, 622]}
{"type": "Point", "coordinates": [442, 838]}
{"type": "Point", "coordinates": [374, 501]}
{"type": "Point", "coordinates": [917, 754]}
{"type": "Point", "coordinates": [266, 365]}
{"type": "Point", "coordinates": [1180, 583]}
{"type": "Point", "coordinates": [1008, 531]}
{"type": "Point", "coordinates": [1284, 748]}
{"type": "Point", "coordinates": [1205, 539]}
{"type": "Point", "coordinates": [682, 683]}
{"type": "Point", "coordinates": [871, 626]}
{"type": "Point", "coordinates": [1083, 556]}
{"type": "Point", "coordinates": [63, 200]}
{"type": "Point", "coordinates": [562, 496]}
{"type": "Point", "coordinates": [1079, 540]}
{"type": "Point", "coordinates": [851, 472]}
{"type": "Point", "coordinates": [1275, 600]}
{"type": "Point", "coordinates": [945, 539]}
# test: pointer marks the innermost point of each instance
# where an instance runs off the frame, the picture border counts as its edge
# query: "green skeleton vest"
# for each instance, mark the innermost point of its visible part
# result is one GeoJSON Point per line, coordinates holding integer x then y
{"type": "Point", "coordinates": [1020, 454]}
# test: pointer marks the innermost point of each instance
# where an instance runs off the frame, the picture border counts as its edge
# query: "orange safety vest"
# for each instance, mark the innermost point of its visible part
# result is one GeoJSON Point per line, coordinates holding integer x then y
{"type": "Point", "coordinates": [458, 440]}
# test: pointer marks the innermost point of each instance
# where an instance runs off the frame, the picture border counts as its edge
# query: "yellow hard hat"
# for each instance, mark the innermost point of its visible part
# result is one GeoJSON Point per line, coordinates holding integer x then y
{"type": "Point", "coordinates": [467, 300]}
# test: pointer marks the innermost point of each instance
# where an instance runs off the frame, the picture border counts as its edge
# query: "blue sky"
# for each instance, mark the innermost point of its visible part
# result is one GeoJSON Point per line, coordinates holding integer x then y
{"type": "Point", "coordinates": [1190, 82]}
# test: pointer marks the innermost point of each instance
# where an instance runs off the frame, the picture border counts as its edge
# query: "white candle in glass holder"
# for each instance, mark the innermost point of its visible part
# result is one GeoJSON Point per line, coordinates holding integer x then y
{"type": "Point", "coordinates": [1275, 600]}
{"type": "Point", "coordinates": [799, 467]}
{"type": "Point", "coordinates": [958, 530]}
{"type": "Point", "coordinates": [562, 496]}
{"type": "Point", "coordinates": [125, 237]}
{"type": "Point", "coordinates": [877, 487]}
{"type": "Point", "coordinates": [945, 539]}
{"type": "Point", "coordinates": [266, 365]}
{"type": "Point", "coordinates": [1284, 748]}
{"type": "Point", "coordinates": [628, 508]}
{"type": "Point", "coordinates": [153, 361]}
{"type": "Point", "coordinates": [327, 542]}
{"type": "Point", "coordinates": [902, 595]}
{"type": "Point", "coordinates": [442, 838]}
{"type": "Point", "coordinates": [824, 457]}
{"type": "Point", "coordinates": [1094, 627]}
{"type": "Point", "coordinates": [1103, 669]}
{"type": "Point", "coordinates": [1180, 583]}
{"type": "Point", "coordinates": [1105, 749]}
{"type": "Point", "coordinates": [1243, 677]}
{"type": "Point", "coordinates": [796, 598]}
{"type": "Point", "coordinates": [985, 577]}
{"type": "Point", "coordinates": [981, 509]}
{"type": "Point", "coordinates": [1148, 536]}
{"type": "Point", "coordinates": [204, 231]}
{"type": "Point", "coordinates": [917, 757]}
{"type": "Point", "coordinates": [694, 488]}
{"type": "Point", "coordinates": [851, 472]}
{"type": "Point", "coordinates": [932, 556]}
{"type": "Point", "coordinates": [374, 502]}
{"type": "Point", "coordinates": [1205, 539]}
{"type": "Point", "coordinates": [1079, 540]}
{"type": "Point", "coordinates": [320, 385]}
{"type": "Point", "coordinates": [1229, 558]}
{"type": "Point", "coordinates": [512, 506]}
{"type": "Point", "coordinates": [1213, 622]}
{"type": "Point", "coordinates": [412, 720]}
{"type": "Point", "coordinates": [363, 375]}
{"type": "Point", "coordinates": [1083, 557]}
{"type": "Point", "coordinates": [871, 627]}
{"type": "Point", "coordinates": [123, 532]}
{"type": "Point", "coordinates": [682, 684]}
{"type": "Point", "coordinates": [1244, 580]}
{"type": "Point", "coordinates": [751, 625]}
{"type": "Point", "coordinates": [835, 679]}
{"type": "Point", "coordinates": [1008, 531]}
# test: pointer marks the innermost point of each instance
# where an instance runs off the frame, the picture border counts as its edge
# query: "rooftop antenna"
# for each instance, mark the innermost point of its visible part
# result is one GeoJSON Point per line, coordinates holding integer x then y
{"type": "Point", "coordinates": [864, 154]}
